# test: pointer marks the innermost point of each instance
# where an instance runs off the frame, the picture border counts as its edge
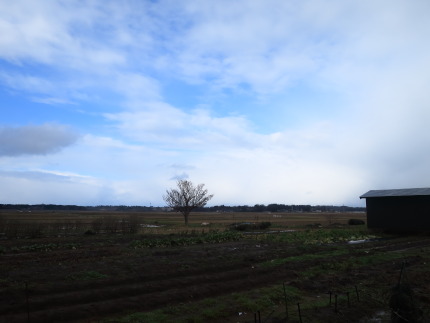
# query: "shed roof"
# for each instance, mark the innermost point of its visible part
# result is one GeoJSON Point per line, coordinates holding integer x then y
{"type": "Point", "coordinates": [397, 192]}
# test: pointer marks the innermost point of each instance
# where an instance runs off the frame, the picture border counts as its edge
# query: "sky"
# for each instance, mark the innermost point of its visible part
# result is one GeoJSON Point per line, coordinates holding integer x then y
{"type": "Point", "coordinates": [110, 102]}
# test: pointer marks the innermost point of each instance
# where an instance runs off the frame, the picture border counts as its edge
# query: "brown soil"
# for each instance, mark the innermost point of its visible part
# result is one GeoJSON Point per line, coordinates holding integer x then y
{"type": "Point", "coordinates": [92, 278]}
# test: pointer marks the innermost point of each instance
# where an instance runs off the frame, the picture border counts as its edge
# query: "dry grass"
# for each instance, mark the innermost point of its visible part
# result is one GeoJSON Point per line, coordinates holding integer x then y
{"type": "Point", "coordinates": [171, 222]}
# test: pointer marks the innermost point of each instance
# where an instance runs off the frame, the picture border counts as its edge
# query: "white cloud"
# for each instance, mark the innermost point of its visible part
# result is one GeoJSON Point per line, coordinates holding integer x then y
{"type": "Point", "coordinates": [180, 177]}
{"type": "Point", "coordinates": [34, 187]}
{"type": "Point", "coordinates": [28, 83]}
{"type": "Point", "coordinates": [245, 167]}
{"type": "Point", "coordinates": [137, 89]}
{"type": "Point", "coordinates": [269, 177]}
{"type": "Point", "coordinates": [68, 51]}
{"type": "Point", "coordinates": [171, 127]}
{"type": "Point", "coordinates": [51, 100]}
{"type": "Point", "coordinates": [51, 33]}
{"type": "Point", "coordinates": [264, 45]}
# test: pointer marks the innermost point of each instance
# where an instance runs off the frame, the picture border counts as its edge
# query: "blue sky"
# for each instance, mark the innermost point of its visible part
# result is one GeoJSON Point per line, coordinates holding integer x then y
{"type": "Point", "coordinates": [296, 102]}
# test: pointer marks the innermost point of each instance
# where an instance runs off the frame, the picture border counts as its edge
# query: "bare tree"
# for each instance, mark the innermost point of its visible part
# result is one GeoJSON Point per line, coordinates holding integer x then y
{"type": "Point", "coordinates": [186, 198]}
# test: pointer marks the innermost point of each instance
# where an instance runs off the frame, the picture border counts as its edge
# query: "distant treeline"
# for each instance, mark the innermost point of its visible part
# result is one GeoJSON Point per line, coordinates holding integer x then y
{"type": "Point", "coordinates": [218, 208]}
{"type": "Point", "coordinates": [282, 208]}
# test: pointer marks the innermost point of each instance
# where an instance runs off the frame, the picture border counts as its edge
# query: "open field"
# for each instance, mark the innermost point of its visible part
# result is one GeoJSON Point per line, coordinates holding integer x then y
{"type": "Point", "coordinates": [77, 222]}
{"type": "Point", "coordinates": [166, 272]}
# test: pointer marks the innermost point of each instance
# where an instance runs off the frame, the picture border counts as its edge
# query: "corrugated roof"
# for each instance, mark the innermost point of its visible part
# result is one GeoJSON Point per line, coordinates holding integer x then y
{"type": "Point", "coordinates": [397, 192]}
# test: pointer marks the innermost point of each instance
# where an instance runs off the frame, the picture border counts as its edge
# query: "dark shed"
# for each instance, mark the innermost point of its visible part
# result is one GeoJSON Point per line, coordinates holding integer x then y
{"type": "Point", "coordinates": [399, 209]}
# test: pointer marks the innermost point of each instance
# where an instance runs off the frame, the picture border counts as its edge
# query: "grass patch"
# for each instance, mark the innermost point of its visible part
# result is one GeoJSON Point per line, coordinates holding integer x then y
{"type": "Point", "coordinates": [306, 257]}
{"type": "Point", "coordinates": [150, 317]}
{"type": "Point", "coordinates": [215, 308]}
{"type": "Point", "coordinates": [350, 263]}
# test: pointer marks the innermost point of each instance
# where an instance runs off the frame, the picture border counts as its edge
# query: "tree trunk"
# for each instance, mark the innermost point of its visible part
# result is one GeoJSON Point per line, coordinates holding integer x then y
{"type": "Point", "coordinates": [186, 217]}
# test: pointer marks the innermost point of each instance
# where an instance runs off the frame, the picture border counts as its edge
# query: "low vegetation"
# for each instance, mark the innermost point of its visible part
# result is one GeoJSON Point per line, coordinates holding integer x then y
{"type": "Point", "coordinates": [186, 240]}
{"type": "Point", "coordinates": [250, 226]}
{"type": "Point", "coordinates": [356, 222]}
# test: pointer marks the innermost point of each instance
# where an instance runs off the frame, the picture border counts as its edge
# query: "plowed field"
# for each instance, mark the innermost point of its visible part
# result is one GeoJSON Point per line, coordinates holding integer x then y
{"type": "Point", "coordinates": [99, 278]}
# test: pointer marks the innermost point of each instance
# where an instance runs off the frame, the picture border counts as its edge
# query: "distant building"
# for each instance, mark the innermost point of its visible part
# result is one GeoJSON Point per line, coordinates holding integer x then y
{"type": "Point", "coordinates": [398, 209]}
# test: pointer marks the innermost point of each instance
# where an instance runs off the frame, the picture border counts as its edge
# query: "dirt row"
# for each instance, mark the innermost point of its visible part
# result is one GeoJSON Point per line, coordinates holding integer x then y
{"type": "Point", "coordinates": [137, 280]}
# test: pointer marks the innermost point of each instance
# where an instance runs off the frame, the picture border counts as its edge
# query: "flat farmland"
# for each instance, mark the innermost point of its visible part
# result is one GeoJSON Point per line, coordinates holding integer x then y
{"type": "Point", "coordinates": [177, 219]}
{"type": "Point", "coordinates": [92, 267]}
{"type": "Point", "coordinates": [172, 221]}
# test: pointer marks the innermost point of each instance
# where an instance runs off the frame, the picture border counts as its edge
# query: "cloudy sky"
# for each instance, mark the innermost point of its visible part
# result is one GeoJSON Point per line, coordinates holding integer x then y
{"type": "Point", "coordinates": [271, 101]}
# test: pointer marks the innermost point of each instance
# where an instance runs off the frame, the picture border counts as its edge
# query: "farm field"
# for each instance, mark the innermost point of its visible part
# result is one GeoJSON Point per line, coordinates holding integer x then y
{"type": "Point", "coordinates": [148, 267]}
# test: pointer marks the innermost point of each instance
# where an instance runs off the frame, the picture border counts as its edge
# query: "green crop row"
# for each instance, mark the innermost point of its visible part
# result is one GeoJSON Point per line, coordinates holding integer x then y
{"type": "Point", "coordinates": [320, 236]}
{"type": "Point", "coordinates": [211, 237]}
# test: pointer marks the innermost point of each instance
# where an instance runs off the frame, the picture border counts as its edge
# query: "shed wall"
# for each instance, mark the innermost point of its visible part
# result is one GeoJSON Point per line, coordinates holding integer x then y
{"type": "Point", "coordinates": [399, 212]}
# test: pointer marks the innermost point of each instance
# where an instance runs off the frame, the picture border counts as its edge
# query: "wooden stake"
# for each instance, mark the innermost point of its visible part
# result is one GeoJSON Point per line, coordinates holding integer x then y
{"type": "Point", "coordinates": [401, 274]}
{"type": "Point", "coordinates": [286, 303]}
{"type": "Point", "coordinates": [335, 303]}
{"type": "Point", "coordinates": [27, 302]}
{"type": "Point", "coordinates": [300, 313]}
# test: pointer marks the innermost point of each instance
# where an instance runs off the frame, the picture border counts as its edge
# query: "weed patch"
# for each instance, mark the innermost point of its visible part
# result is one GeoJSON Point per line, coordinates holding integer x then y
{"type": "Point", "coordinates": [211, 237]}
